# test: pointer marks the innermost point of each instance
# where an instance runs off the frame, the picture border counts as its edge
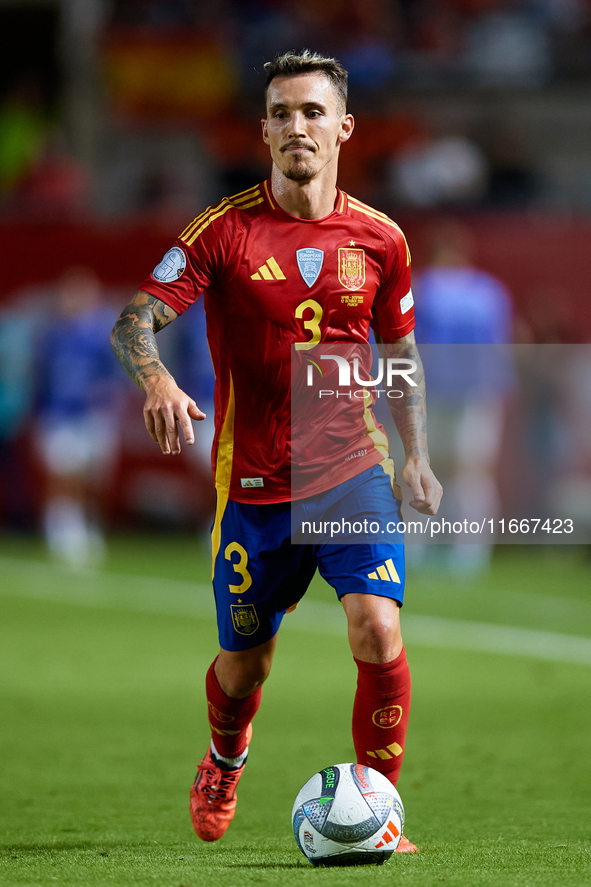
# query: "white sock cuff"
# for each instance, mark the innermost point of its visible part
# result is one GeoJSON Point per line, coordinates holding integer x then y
{"type": "Point", "coordinates": [229, 762]}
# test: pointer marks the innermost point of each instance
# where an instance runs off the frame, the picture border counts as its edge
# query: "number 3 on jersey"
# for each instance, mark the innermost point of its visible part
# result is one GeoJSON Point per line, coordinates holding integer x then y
{"type": "Point", "coordinates": [312, 323]}
{"type": "Point", "coordinates": [239, 567]}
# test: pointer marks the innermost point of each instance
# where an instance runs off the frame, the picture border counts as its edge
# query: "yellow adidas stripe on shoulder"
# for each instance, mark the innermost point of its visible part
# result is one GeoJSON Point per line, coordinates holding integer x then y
{"type": "Point", "coordinates": [244, 195]}
{"type": "Point", "coordinates": [236, 198]}
{"type": "Point", "coordinates": [370, 211]}
{"type": "Point", "coordinates": [381, 217]}
{"type": "Point", "coordinates": [361, 205]}
{"type": "Point", "coordinates": [250, 203]}
{"type": "Point", "coordinates": [248, 198]}
{"type": "Point", "coordinates": [202, 221]}
{"type": "Point", "coordinates": [197, 227]}
{"type": "Point", "coordinates": [200, 218]}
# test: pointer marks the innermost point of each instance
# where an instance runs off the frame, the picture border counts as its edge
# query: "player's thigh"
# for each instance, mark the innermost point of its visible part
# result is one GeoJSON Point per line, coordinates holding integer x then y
{"type": "Point", "coordinates": [369, 582]}
{"type": "Point", "coordinates": [371, 561]}
{"type": "Point", "coordinates": [258, 573]}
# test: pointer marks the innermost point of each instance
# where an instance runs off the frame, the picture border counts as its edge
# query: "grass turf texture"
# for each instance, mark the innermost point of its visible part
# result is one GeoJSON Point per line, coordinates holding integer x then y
{"type": "Point", "coordinates": [104, 720]}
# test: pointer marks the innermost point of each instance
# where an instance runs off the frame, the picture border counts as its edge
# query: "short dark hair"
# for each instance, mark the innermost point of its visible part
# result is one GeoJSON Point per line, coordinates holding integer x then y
{"type": "Point", "coordinates": [291, 63]}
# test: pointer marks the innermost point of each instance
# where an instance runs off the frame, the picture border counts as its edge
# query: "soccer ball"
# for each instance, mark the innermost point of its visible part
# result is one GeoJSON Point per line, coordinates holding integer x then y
{"type": "Point", "coordinates": [347, 814]}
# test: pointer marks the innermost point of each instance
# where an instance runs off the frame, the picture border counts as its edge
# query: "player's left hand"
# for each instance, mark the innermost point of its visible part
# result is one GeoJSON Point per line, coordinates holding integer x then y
{"type": "Point", "coordinates": [426, 489]}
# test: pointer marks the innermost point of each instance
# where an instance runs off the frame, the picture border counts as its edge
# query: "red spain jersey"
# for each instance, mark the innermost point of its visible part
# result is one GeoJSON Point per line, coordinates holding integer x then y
{"type": "Point", "coordinates": [276, 285]}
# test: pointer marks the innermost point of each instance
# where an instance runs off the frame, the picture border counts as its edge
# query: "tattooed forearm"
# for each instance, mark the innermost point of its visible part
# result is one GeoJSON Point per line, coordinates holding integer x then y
{"type": "Point", "coordinates": [409, 412]}
{"type": "Point", "coordinates": [134, 337]}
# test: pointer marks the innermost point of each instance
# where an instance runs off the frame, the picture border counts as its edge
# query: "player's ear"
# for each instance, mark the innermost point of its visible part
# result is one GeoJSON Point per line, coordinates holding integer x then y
{"type": "Point", "coordinates": [347, 127]}
{"type": "Point", "coordinates": [265, 136]}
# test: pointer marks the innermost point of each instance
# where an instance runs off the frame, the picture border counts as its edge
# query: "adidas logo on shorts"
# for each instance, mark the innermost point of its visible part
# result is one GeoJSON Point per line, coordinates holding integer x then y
{"type": "Point", "coordinates": [386, 572]}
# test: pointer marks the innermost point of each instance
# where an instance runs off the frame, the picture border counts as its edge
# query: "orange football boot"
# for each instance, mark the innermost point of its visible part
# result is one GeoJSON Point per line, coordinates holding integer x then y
{"type": "Point", "coordinates": [213, 797]}
{"type": "Point", "coordinates": [405, 846]}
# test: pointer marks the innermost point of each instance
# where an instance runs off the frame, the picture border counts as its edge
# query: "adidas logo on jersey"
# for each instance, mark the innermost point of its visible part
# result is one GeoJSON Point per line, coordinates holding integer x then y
{"type": "Point", "coordinates": [386, 572]}
{"type": "Point", "coordinates": [269, 271]}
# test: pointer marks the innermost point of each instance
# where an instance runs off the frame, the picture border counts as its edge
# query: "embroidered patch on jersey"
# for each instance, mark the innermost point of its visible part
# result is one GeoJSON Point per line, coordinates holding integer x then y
{"type": "Point", "coordinates": [252, 482]}
{"type": "Point", "coordinates": [352, 268]}
{"type": "Point", "coordinates": [244, 617]}
{"type": "Point", "coordinates": [406, 302]}
{"type": "Point", "coordinates": [171, 267]}
{"type": "Point", "coordinates": [310, 264]}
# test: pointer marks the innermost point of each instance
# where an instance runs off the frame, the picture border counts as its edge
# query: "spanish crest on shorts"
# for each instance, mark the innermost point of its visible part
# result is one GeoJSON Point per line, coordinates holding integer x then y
{"type": "Point", "coordinates": [245, 618]}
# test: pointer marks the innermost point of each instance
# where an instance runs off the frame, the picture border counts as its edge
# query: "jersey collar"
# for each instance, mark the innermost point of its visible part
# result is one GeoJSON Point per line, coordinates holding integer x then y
{"type": "Point", "coordinates": [340, 203]}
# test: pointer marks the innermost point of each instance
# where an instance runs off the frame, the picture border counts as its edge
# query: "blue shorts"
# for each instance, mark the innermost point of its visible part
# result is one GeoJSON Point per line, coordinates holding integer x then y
{"type": "Point", "coordinates": [259, 573]}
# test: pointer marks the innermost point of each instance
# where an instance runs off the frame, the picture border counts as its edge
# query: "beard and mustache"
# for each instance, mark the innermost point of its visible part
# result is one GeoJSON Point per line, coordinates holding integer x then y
{"type": "Point", "coordinates": [300, 173]}
{"type": "Point", "coordinates": [299, 169]}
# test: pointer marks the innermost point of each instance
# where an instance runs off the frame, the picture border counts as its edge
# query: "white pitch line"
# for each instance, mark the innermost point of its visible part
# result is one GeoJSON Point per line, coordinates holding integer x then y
{"type": "Point", "coordinates": [172, 597]}
{"type": "Point", "coordinates": [458, 634]}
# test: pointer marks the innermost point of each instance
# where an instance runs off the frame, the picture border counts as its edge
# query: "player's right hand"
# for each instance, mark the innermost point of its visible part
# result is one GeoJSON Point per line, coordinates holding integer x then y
{"type": "Point", "coordinates": [166, 410]}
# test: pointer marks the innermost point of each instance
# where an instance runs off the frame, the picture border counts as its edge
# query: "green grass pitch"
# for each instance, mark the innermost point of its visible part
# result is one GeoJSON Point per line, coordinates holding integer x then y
{"type": "Point", "coordinates": [103, 720]}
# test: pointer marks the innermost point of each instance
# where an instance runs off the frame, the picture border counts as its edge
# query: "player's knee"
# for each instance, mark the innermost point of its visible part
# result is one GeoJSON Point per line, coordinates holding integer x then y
{"type": "Point", "coordinates": [244, 685]}
{"type": "Point", "coordinates": [376, 638]}
{"type": "Point", "coordinates": [243, 679]}
{"type": "Point", "coordinates": [384, 640]}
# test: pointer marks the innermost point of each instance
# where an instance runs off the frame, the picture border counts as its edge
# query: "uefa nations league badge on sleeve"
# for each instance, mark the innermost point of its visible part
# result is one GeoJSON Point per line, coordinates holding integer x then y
{"type": "Point", "coordinates": [171, 267]}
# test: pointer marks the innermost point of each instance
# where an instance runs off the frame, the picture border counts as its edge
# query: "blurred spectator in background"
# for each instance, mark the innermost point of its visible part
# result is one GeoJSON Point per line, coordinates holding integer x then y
{"type": "Point", "coordinates": [56, 186]}
{"type": "Point", "coordinates": [23, 133]}
{"type": "Point", "coordinates": [513, 181]}
{"type": "Point", "coordinates": [441, 171]}
{"type": "Point", "coordinates": [435, 37]}
{"type": "Point", "coordinates": [78, 417]}
{"type": "Point", "coordinates": [509, 46]}
{"type": "Point", "coordinates": [551, 409]}
{"type": "Point", "coordinates": [549, 317]}
{"type": "Point", "coordinates": [571, 492]}
{"type": "Point", "coordinates": [16, 396]}
{"type": "Point", "coordinates": [459, 305]}
{"type": "Point", "coordinates": [37, 172]}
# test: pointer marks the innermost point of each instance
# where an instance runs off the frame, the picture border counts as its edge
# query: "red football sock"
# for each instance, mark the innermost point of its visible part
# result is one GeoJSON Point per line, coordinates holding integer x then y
{"type": "Point", "coordinates": [380, 714]}
{"type": "Point", "coordinates": [229, 718]}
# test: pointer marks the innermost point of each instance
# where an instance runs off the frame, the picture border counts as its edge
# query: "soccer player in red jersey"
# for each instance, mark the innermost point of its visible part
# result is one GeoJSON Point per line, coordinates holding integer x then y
{"type": "Point", "coordinates": [286, 266]}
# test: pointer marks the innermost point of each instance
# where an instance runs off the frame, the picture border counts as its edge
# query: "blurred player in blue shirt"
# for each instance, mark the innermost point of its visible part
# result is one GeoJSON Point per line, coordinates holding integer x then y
{"type": "Point", "coordinates": [78, 427]}
{"type": "Point", "coordinates": [459, 305]}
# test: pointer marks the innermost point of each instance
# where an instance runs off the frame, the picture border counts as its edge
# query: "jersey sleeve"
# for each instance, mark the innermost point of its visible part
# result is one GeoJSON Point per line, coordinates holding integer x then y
{"type": "Point", "coordinates": [196, 260]}
{"type": "Point", "coordinates": [393, 312]}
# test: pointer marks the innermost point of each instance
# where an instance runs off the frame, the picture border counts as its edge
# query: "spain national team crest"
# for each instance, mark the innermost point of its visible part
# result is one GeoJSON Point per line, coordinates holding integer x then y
{"type": "Point", "coordinates": [244, 617]}
{"type": "Point", "coordinates": [310, 264]}
{"type": "Point", "coordinates": [352, 267]}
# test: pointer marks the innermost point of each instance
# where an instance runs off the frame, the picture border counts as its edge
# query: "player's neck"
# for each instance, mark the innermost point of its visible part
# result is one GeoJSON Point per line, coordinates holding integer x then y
{"type": "Point", "coordinates": [314, 199]}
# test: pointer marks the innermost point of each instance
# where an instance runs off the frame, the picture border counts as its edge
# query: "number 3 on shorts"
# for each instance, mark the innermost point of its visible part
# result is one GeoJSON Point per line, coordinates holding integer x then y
{"type": "Point", "coordinates": [239, 567]}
